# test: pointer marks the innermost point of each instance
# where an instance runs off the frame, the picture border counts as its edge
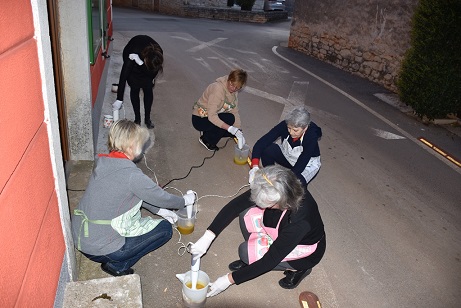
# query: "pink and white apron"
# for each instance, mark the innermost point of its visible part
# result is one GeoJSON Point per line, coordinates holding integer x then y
{"type": "Point", "coordinates": [262, 237]}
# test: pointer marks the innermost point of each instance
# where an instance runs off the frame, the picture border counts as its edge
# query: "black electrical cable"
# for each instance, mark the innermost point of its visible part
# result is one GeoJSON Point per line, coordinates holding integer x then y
{"type": "Point", "coordinates": [190, 170]}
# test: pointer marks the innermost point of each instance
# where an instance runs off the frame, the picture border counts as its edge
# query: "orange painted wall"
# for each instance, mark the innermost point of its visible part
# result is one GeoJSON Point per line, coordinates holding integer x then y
{"type": "Point", "coordinates": [31, 239]}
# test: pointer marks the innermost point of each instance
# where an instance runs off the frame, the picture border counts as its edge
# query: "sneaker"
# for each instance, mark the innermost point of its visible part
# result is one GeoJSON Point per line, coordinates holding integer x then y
{"type": "Point", "coordinates": [149, 124]}
{"type": "Point", "coordinates": [209, 147]}
{"type": "Point", "coordinates": [293, 278]}
{"type": "Point", "coordinates": [106, 268]}
{"type": "Point", "coordinates": [236, 265]}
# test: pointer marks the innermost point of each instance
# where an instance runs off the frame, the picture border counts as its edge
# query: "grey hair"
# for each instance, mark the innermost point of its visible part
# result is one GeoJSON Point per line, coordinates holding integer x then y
{"type": "Point", "coordinates": [276, 185]}
{"type": "Point", "coordinates": [124, 134]}
{"type": "Point", "coordinates": [299, 117]}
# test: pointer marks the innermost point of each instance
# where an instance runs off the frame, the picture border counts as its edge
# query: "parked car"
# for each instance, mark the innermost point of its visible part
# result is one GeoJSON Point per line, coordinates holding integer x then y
{"type": "Point", "coordinates": [278, 5]}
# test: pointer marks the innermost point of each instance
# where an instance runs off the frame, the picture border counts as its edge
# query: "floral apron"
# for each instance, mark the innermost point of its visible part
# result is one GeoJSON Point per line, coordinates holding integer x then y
{"type": "Point", "coordinates": [262, 237]}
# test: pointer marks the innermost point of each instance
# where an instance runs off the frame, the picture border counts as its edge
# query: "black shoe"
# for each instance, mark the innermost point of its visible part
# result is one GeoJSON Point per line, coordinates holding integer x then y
{"type": "Point", "coordinates": [112, 272]}
{"type": "Point", "coordinates": [149, 124]}
{"type": "Point", "coordinates": [236, 265]}
{"type": "Point", "coordinates": [137, 122]}
{"type": "Point", "coordinates": [209, 147]}
{"type": "Point", "coordinates": [293, 278]}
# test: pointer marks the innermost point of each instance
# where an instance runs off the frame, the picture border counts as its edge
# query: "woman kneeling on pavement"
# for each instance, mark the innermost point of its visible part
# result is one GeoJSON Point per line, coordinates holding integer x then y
{"type": "Point", "coordinates": [215, 114]}
{"type": "Point", "coordinates": [298, 149]}
{"type": "Point", "coordinates": [107, 225]}
{"type": "Point", "coordinates": [284, 231]}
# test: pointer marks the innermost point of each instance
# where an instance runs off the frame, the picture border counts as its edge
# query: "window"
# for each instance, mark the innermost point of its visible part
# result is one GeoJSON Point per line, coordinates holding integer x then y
{"type": "Point", "coordinates": [97, 26]}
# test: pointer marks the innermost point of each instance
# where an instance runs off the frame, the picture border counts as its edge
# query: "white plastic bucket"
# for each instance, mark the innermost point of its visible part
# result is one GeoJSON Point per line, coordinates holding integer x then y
{"type": "Point", "coordinates": [185, 224]}
{"type": "Point", "coordinates": [195, 298]}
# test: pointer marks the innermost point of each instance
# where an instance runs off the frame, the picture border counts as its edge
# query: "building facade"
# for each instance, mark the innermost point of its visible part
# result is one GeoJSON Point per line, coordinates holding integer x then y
{"type": "Point", "coordinates": [51, 67]}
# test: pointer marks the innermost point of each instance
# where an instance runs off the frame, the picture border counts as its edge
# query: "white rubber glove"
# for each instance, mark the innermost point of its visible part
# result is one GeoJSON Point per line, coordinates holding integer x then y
{"type": "Point", "coordinates": [191, 192]}
{"type": "Point", "coordinates": [189, 198]}
{"type": "Point", "coordinates": [233, 130]}
{"type": "Point", "coordinates": [136, 58]}
{"type": "Point", "coordinates": [251, 174]}
{"type": "Point", "coordinates": [168, 215]}
{"type": "Point", "coordinates": [237, 133]}
{"type": "Point", "coordinates": [221, 284]}
{"type": "Point", "coordinates": [117, 105]}
{"type": "Point", "coordinates": [199, 248]}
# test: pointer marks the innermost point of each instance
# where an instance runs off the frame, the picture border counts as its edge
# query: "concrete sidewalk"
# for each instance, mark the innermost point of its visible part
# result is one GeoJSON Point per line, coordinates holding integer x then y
{"type": "Point", "coordinates": [218, 180]}
{"type": "Point", "coordinates": [160, 287]}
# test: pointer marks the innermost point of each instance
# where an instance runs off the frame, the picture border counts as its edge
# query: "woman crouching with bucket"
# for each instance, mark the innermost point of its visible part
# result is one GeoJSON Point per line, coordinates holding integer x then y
{"type": "Point", "coordinates": [107, 225]}
{"type": "Point", "coordinates": [284, 231]}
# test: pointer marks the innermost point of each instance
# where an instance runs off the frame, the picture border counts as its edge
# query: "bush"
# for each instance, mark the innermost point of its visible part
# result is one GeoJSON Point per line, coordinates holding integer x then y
{"type": "Point", "coordinates": [246, 5]}
{"type": "Point", "coordinates": [430, 77]}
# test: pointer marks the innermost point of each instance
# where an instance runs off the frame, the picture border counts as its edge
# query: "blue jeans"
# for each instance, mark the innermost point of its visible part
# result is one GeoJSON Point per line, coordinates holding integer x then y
{"type": "Point", "coordinates": [136, 247]}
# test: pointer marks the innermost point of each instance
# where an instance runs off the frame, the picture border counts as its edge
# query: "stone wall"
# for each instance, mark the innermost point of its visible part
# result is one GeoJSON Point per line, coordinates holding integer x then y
{"type": "Point", "coordinates": [367, 38]}
{"type": "Point", "coordinates": [212, 9]}
{"type": "Point", "coordinates": [233, 15]}
{"type": "Point", "coordinates": [176, 5]}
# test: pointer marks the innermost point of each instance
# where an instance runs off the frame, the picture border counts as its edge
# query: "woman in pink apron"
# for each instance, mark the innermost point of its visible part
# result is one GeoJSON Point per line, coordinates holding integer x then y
{"type": "Point", "coordinates": [284, 231]}
{"type": "Point", "coordinates": [298, 149]}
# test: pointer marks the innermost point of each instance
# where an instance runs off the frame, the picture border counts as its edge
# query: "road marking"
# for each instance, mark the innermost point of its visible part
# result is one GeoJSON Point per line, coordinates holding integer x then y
{"type": "Point", "coordinates": [296, 96]}
{"type": "Point", "coordinates": [182, 38]}
{"type": "Point", "coordinates": [206, 44]}
{"type": "Point", "coordinates": [386, 135]}
{"type": "Point", "coordinates": [275, 68]}
{"type": "Point", "coordinates": [204, 63]}
{"type": "Point", "coordinates": [259, 65]}
{"type": "Point", "coordinates": [298, 92]}
{"type": "Point", "coordinates": [266, 95]}
{"type": "Point", "coordinates": [359, 103]}
{"type": "Point", "coordinates": [440, 151]}
{"type": "Point", "coordinates": [231, 64]}
{"type": "Point", "coordinates": [297, 100]}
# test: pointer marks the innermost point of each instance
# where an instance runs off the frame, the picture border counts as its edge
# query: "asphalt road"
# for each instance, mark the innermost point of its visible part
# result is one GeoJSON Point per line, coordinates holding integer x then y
{"type": "Point", "coordinates": [391, 205]}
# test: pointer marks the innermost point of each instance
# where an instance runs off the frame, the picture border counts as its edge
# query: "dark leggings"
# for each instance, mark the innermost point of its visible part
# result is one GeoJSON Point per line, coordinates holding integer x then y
{"type": "Point", "coordinates": [148, 100]}
{"type": "Point", "coordinates": [212, 133]}
{"type": "Point", "coordinates": [273, 155]}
